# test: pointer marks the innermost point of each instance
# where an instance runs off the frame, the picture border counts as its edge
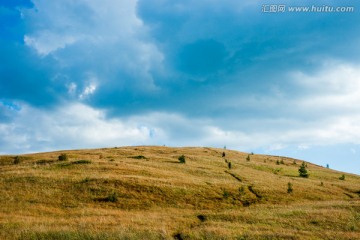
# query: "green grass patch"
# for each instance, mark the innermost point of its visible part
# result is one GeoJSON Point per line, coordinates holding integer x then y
{"type": "Point", "coordinates": [44, 162]}
{"type": "Point", "coordinates": [81, 162]}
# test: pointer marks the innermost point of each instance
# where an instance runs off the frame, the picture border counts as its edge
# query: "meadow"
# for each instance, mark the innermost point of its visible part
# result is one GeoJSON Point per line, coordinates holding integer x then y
{"type": "Point", "coordinates": [145, 192]}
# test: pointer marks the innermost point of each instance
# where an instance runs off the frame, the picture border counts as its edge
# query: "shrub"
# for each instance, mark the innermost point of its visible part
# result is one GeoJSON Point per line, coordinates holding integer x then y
{"type": "Point", "coordinates": [229, 165]}
{"type": "Point", "coordinates": [248, 158]}
{"type": "Point", "coordinates": [179, 236]}
{"type": "Point", "coordinates": [17, 160]}
{"type": "Point", "coordinates": [85, 180]}
{"type": "Point", "coordinates": [226, 194]}
{"type": "Point", "coordinates": [112, 197]}
{"type": "Point", "coordinates": [289, 189]}
{"type": "Point", "coordinates": [63, 157]}
{"type": "Point", "coordinates": [342, 177]}
{"type": "Point", "coordinates": [223, 154]}
{"type": "Point", "coordinates": [277, 162]}
{"type": "Point", "coordinates": [182, 159]}
{"type": "Point", "coordinates": [302, 171]}
{"type": "Point", "coordinates": [241, 190]}
{"type": "Point", "coordinates": [202, 218]}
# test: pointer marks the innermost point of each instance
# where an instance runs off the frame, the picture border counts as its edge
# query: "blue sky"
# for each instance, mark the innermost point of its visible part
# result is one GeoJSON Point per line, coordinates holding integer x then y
{"type": "Point", "coordinates": [88, 74]}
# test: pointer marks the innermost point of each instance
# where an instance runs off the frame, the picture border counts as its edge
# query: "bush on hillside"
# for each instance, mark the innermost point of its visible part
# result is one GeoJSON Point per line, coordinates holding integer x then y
{"type": "Point", "coordinates": [182, 159]}
{"type": "Point", "coordinates": [17, 160]}
{"type": "Point", "coordinates": [302, 171]}
{"type": "Point", "coordinates": [290, 189]}
{"type": "Point", "coordinates": [112, 197]}
{"type": "Point", "coordinates": [63, 157]}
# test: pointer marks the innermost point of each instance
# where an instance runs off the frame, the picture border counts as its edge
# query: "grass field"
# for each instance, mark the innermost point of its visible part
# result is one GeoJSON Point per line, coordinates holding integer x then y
{"type": "Point", "coordinates": [145, 193]}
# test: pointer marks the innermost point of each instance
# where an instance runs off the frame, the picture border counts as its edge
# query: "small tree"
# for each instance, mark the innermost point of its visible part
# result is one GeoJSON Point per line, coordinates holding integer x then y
{"type": "Point", "coordinates": [290, 189]}
{"type": "Point", "coordinates": [241, 190]}
{"type": "Point", "coordinates": [342, 177]}
{"type": "Point", "coordinates": [223, 154]}
{"type": "Point", "coordinates": [229, 165]}
{"type": "Point", "coordinates": [302, 171]}
{"type": "Point", "coordinates": [248, 158]}
{"type": "Point", "coordinates": [182, 159]}
{"type": "Point", "coordinates": [17, 160]}
{"type": "Point", "coordinates": [226, 194]}
{"type": "Point", "coordinates": [63, 157]}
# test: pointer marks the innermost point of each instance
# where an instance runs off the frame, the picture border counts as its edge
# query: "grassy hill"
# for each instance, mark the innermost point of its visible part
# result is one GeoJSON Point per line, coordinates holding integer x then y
{"type": "Point", "coordinates": [145, 193]}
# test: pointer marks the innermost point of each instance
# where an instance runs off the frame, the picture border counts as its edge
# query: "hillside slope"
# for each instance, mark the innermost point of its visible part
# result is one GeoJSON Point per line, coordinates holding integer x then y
{"type": "Point", "coordinates": [145, 193]}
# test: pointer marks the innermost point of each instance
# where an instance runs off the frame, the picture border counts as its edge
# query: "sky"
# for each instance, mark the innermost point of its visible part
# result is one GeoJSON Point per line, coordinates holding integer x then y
{"type": "Point", "coordinates": [251, 75]}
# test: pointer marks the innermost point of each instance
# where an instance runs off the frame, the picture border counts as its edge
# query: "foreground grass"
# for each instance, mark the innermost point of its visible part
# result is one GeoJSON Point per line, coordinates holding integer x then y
{"type": "Point", "coordinates": [145, 193]}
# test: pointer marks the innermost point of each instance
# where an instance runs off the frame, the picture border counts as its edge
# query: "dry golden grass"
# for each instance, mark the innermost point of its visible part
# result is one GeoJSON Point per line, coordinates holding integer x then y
{"type": "Point", "coordinates": [145, 193]}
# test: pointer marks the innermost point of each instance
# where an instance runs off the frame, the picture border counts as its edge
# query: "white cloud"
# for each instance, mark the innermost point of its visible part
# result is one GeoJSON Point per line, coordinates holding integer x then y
{"type": "Point", "coordinates": [106, 38]}
{"type": "Point", "coordinates": [58, 24]}
{"type": "Point", "coordinates": [71, 88]}
{"type": "Point", "coordinates": [46, 42]}
{"type": "Point", "coordinates": [335, 86]}
{"type": "Point", "coordinates": [88, 91]}
{"type": "Point", "coordinates": [68, 127]}
{"type": "Point", "coordinates": [303, 147]}
{"type": "Point", "coordinates": [326, 113]}
{"type": "Point", "coordinates": [80, 126]}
